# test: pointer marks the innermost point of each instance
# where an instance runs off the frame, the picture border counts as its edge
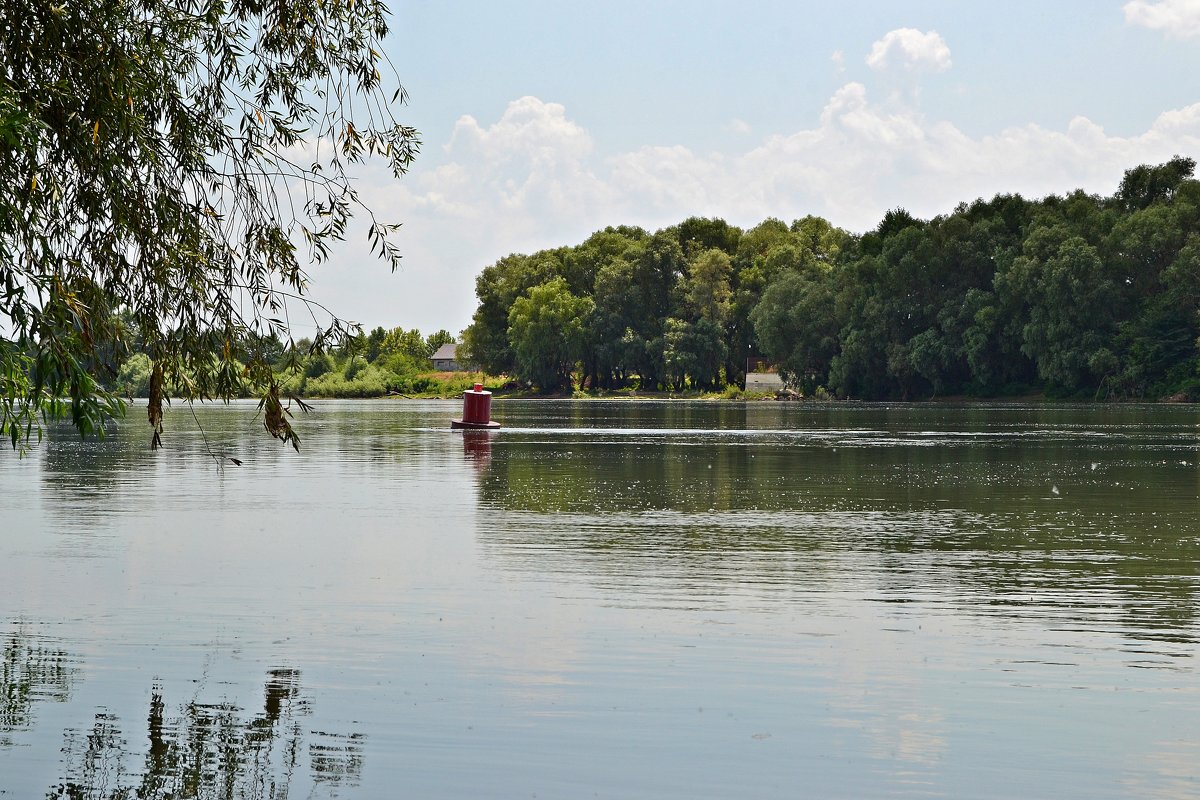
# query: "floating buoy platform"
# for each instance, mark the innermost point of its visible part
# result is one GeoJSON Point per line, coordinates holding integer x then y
{"type": "Point", "coordinates": [477, 410]}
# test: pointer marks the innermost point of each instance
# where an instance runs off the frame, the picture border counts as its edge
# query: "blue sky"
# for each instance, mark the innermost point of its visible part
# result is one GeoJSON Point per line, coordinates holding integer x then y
{"type": "Point", "coordinates": [544, 121]}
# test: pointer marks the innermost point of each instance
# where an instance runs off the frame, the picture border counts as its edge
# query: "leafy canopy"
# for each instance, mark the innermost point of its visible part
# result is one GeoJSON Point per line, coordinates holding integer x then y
{"type": "Point", "coordinates": [167, 169]}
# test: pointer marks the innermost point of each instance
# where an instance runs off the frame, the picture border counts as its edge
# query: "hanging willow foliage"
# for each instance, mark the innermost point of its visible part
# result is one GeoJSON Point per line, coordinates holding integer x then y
{"type": "Point", "coordinates": [167, 167]}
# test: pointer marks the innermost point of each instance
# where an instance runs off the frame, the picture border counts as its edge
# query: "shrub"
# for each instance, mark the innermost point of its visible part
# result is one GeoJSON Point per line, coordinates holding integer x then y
{"type": "Point", "coordinates": [133, 379]}
{"type": "Point", "coordinates": [317, 365]}
{"type": "Point", "coordinates": [368, 381]}
{"type": "Point", "coordinates": [353, 367]}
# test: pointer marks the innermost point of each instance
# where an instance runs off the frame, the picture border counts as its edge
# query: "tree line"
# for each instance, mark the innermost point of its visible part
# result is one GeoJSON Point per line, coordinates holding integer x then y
{"type": "Point", "coordinates": [382, 362]}
{"type": "Point", "coordinates": [1072, 295]}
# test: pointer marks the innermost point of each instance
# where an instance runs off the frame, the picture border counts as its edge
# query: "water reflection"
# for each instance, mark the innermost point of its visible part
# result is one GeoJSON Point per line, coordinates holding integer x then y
{"type": "Point", "coordinates": [1067, 520]}
{"type": "Point", "coordinates": [641, 600]}
{"type": "Point", "coordinates": [477, 448]}
{"type": "Point", "coordinates": [213, 750]}
{"type": "Point", "coordinates": [31, 671]}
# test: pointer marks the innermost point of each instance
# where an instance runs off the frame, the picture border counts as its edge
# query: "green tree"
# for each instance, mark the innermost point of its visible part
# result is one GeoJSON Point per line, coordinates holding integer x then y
{"type": "Point", "coordinates": [796, 328]}
{"type": "Point", "coordinates": [706, 287]}
{"type": "Point", "coordinates": [408, 343]}
{"type": "Point", "coordinates": [1145, 184]}
{"type": "Point", "coordinates": [619, 308]}
{"type": "Point", "coordinates": [1072, 316]}
{"type": "Point", "coordinates": [697, 234]}
{"type": "Point", "coordinates": [659, 267]}
{"type": "Point", "coordinates": [436, 340]}
{"type": "Point", "coordinates": [547, 328]}
{"type": "Point", "coordinates": [582, 263]}
{"type": "Point", "coordinates": [583, 266]}
{"type": "Point", "coordinates": [765, 254]}
{"type": "Point", "coordinates": [1158, 345]}
{"type": "Point", "coordinates": [693, 350]}
{"type": "Point", "coordinates": [404, 352]}
{"type": "Point", "coordinates": [375, 342]}
{"type": "Point", "coordinates": [150, 167]}
{"type": "Point", "coordinates": [354, 347]}
{"type": "Point", "coordinates": [485, 341]}
{"type": "Point", "coordinates": [133, 379]}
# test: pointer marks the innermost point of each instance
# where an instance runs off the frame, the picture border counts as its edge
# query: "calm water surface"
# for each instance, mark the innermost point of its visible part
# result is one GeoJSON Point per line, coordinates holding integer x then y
{"type": "Point", "coordinates": [608, 599]}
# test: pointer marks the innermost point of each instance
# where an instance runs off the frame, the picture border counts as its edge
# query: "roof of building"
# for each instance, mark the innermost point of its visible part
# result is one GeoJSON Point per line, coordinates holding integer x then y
{"type": "Point", "coordinates": [447, 351]}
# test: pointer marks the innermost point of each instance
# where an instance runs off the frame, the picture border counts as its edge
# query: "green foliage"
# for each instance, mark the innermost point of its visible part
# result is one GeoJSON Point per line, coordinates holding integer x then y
{"type": "Point", "coordinates": [384, 362]}
{"type": "Point", "coordinates": [375, 343]}
{"type": "Point", "coordinates": [547, 327]}
{"type": "Point", "coordinates": [797, 326]}
{"type": "Point", "coordinates": [318, 364]}
{"type": "Point", "coordinates": [1074, 295]}
{"type": "Point", "coordinates": [409, 344]}
{"type": "Point", "coordinates": [706, 287]}
{"type": "Point", "coordinates": [693, 350]}
{"type": "Point", "coordinates": [150, 190]}
{"type": "Point", "coordinates": [485, 341]}
{"type": "Point", "coordinates": [436, 340]}
{"type": "Point", "coordinates": [1073, 306]}
{"type": "Point", "coordinates": [366, 381]}
{"type": "Point", "coordinates": [1145, 185]}
{"type": "Point", "coordinates": [401, 364]}
{"type": "Point", "coordinates": [698, 234]}
{"type": "Point", "coordinates": [133, 379]}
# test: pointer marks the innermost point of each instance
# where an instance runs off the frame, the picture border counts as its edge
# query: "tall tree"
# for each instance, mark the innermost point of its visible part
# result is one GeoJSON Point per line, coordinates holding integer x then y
{"type": "Point", "coordinates": [547, 327]}
{"type": "Point", "coordinates": [619, 309]}
{"type": "Point", "coordinates": [177, 162]}
{"type": "Point", "coordinates": [1146, 184]}
{"type": "Point", "coordinates": [437, 339]}
{"type": "Point", "coordinates": [796, 327]}
{"type": "Point", "coordinates": [1073, 309]}
{"type": "Point", "coordinates": [706, 288]}
{"type": "Point", "coordinates": [485, 341]}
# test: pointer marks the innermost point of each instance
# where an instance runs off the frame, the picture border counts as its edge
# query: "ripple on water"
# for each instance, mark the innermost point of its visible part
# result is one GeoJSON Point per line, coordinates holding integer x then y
{"type": "Point", "coordinates": [645, 600]}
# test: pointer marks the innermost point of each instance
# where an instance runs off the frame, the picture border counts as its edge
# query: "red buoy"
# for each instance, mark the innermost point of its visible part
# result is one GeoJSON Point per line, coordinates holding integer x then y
{"type": "Point", "coordinates": [477, 409]}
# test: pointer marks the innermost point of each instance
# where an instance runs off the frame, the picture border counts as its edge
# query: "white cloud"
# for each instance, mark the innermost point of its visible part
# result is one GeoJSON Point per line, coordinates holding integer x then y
{"type": "Point", "coordinates": [1179, 19]}
{"type": "Point", "coordinates": [839, 61]}
{"type": "Point", "coordinates": [532, 179]}
{"type": "Point", "coordinates": [739, 126]}
{"type": "Point", "coordinates": [910, 49]}
{"type": "Point", "coordinates": [528, 129]}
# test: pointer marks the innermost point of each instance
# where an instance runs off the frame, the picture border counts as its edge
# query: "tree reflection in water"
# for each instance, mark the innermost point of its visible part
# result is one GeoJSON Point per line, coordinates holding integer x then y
{"type": "Point", "coordinates": [29, 672]}
{"type": "Point", "coordinates": [214, 751]}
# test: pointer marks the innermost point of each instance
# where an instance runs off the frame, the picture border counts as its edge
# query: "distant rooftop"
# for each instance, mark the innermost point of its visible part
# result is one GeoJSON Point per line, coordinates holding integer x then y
{"type": "Point", "coordinates": [446, 351]}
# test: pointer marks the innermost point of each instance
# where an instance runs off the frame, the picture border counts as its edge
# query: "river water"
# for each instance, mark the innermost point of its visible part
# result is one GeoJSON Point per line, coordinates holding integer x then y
{"type": "Point", "coordinates": [607, 599]}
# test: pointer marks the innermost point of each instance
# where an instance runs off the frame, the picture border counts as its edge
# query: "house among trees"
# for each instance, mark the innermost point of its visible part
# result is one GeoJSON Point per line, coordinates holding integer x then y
{"type": "Point", "coordinates": [762, 375]}
{"type": "Point", "coordinates": [446, 358]}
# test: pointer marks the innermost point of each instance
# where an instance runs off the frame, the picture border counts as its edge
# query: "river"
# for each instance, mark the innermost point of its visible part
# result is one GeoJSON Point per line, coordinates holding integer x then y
{"type": "Point", "coordinates": [607, 599]}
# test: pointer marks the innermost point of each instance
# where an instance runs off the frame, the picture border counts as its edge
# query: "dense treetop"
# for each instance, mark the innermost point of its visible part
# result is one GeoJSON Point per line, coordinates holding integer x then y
{"type": "Point", "coordinates": [1073, 295]}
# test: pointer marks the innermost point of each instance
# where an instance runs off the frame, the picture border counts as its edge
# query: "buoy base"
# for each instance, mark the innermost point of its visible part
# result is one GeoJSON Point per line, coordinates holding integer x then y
{"type": "Point", "coordinates": [458, 423]}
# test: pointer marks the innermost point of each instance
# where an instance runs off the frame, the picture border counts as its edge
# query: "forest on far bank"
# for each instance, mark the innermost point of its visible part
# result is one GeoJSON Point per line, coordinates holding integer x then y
{"type": "Point", "coordinates": [1077, 295]}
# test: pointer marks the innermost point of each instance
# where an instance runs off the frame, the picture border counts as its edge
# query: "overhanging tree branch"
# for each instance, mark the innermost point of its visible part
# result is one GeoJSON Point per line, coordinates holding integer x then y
{"type": "Point", "coordinates": [148, 167]}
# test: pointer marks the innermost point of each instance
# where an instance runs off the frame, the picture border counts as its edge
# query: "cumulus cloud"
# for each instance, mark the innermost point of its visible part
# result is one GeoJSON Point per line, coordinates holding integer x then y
{"type": "Point", "coordinates": [533, 157]}
{"type": "Point", "coordinates": [517, 184]}
{"type": "Point", "coordinates": [529, 129]}
{"type": "Point", "coordinates": [909, 49]}
{"type": "Point", "coordinates": [1179, 19]}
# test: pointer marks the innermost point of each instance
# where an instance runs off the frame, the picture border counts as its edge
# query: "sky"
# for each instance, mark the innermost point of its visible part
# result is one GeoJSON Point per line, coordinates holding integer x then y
{"type": "Point", "coordinates": [543, 121]}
